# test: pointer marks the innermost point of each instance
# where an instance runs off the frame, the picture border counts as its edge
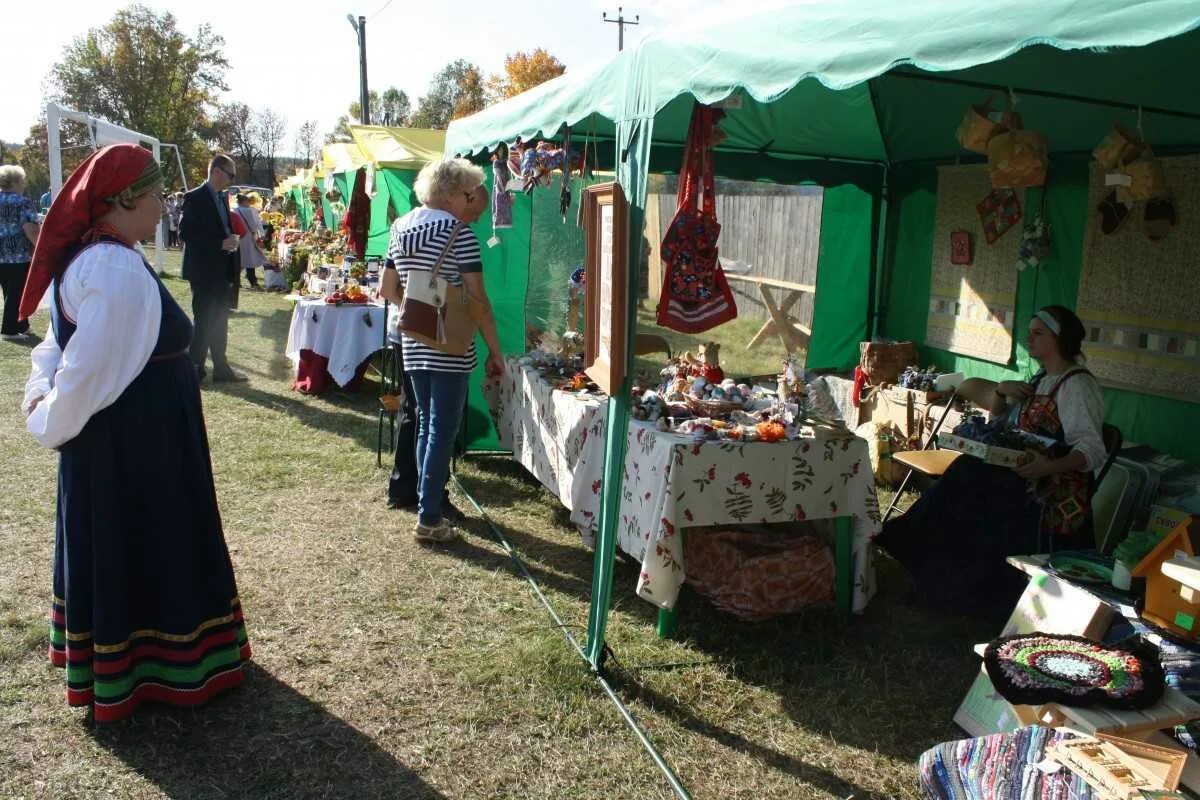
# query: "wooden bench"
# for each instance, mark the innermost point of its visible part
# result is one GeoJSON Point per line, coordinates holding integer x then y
{"type": "Point", "coordinates": [794, 334]}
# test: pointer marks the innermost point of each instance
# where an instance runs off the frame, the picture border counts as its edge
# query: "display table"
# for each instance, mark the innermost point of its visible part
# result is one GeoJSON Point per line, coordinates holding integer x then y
{"type": "Point", "coordinates": [673, 482]}
{"type": "Point", "coordinates": [332, 343]}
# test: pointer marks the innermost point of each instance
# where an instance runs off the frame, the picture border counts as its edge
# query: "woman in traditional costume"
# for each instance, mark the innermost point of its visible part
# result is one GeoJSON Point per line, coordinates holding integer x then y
{"type": "Point", "coordinates": [955, 538]}
{"type": "Point", "coordinates": [145, 604]}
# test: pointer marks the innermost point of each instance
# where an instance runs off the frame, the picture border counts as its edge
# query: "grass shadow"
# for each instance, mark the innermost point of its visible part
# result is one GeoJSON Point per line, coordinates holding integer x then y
{"type": "Point", "coordinates": [684, 717]}
{"type": "Point", "coordinates": [264, 740]}
{"type": "Point", "coordinates": [360, 425]}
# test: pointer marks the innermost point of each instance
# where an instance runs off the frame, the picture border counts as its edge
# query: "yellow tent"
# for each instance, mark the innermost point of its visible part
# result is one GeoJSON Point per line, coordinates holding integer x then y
{"type": "Point", "coordinates": [342, 157]}
{"type": "Point", "coordinates": [398, 148]}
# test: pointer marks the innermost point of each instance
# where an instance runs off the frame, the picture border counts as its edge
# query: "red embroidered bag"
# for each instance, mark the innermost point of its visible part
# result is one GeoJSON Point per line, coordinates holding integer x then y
{"type": "Point", "coordinates": [695, 293]}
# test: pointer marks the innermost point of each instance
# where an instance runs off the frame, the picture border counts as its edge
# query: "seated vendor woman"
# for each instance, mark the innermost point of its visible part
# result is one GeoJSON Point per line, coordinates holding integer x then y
{"type": "Point", "coordinates": [955, 538]}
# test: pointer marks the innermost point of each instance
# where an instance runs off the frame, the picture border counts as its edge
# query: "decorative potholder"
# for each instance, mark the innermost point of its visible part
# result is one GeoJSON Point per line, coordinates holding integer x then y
{"type": "Point", "coordinates": [1036, 668]}
{"type": "Point", "coordinates": [998, 212]}
{"type": "Point", "coordinates": [960, 248]}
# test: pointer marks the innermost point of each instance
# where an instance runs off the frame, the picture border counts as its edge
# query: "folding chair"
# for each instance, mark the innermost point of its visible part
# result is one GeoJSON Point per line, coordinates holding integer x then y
{"type": "Point", "coordinates": [928, 461]}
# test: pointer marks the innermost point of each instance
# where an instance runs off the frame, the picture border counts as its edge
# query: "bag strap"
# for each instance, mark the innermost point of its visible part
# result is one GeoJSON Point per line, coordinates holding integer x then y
{"type": "Point", "coordinates": [437, 265]}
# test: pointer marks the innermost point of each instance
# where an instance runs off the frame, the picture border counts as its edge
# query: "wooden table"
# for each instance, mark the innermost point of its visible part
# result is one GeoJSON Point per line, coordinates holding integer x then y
{"type": "Point", "coordinates": [794, 334]}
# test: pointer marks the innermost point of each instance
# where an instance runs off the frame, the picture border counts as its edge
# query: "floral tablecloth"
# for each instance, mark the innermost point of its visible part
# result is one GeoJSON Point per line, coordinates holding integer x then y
{"type": "Point", "coordinates": [347, 335]}
{"type": "Point", "coordinates": [672, 482]}
{"type": "Point", "coordinates": [548, 431]}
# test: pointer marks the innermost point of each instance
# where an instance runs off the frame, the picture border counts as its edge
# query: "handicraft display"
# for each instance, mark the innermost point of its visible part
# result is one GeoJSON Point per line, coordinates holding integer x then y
{"type": "Point", "coordinates": [1038, 668]}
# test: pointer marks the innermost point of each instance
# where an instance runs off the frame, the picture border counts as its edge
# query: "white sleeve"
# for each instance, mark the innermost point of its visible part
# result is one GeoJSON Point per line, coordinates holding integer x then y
{"type": "Point", "coordinates": [1081, 411]}
{"type": "Point", "coordinates": [45, 357]}
{"type": "Point", "coordinates": [256, 226]}
{"type": "Point", "coordinates": [115, 303]}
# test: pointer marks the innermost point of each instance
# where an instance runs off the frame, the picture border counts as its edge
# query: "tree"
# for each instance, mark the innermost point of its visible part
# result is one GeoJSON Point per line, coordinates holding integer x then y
{"type": "Point", "coordinates": [269, 129]}
{"type": "Point", "coordinates": [394, 108]}
{"type": "Point", "coordinates": [356, 107]}
{"type": "Point", "coordinates": [140, 71]}
{"type": "Point", "coordinates": [234, 132]}
{"type": "Point", "coordinates": [341, 130]}
{"type": "Point", "coordinates": [523, 71]}
{"type": "Point", "coordinates": [446, 95]}
{"type": "Point", "coordinates": [472, 96]}
{"type": "Point", "coordinates": [306, 142]}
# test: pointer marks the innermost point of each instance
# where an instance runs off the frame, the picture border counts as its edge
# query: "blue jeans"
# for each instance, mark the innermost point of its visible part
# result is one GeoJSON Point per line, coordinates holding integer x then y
{"type": "Point", "coordinates": [439, 397]}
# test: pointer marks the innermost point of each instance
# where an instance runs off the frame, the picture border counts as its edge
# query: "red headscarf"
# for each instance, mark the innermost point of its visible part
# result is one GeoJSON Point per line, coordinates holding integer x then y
{"type": "Point", "coordinates": [111, 173]}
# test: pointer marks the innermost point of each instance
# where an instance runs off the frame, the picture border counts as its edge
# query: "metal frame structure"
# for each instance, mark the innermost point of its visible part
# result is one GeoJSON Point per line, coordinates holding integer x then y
{"type": "Point", "coordinates": [101, 133]}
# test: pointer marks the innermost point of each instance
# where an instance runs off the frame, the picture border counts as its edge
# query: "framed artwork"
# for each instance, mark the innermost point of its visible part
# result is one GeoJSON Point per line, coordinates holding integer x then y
{"type": "Point", "coordinates": [606, 338]}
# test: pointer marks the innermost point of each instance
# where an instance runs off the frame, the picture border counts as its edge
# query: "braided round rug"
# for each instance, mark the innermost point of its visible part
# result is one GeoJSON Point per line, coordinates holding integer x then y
{"type": "Point", "coordinates": [1036, 668]}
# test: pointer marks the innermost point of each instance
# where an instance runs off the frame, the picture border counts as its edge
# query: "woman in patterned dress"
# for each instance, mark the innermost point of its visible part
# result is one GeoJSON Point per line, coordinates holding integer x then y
{"type": "Point", "coordinates": [145, 605]}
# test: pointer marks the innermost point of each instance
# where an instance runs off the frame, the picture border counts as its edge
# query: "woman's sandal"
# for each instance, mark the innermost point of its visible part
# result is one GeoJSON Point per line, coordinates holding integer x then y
{"type": "Point", "coordinates": [1160, 218]}
{"type": "Point", "coordinates": [441, 533]}
{"type": "Point", "coordinates": [1113, 213]}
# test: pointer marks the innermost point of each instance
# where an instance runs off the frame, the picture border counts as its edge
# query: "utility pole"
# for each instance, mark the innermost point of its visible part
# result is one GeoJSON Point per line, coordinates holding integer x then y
{"type": "Point", "coordinates": [360, 27]}
{"type": "Point", "coordinates": [621, 22]}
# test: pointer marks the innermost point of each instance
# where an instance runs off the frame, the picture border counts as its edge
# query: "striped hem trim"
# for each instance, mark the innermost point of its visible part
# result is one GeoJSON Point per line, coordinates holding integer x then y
{"type": "Point", "coordinates": [161, 693]}
{"type": "Point", "coordinates": [59, 633]}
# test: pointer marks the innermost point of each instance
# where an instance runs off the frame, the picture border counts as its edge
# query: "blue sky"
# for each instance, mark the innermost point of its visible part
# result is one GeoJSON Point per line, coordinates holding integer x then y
{"type": "Point", "coordinates": [301, 59]}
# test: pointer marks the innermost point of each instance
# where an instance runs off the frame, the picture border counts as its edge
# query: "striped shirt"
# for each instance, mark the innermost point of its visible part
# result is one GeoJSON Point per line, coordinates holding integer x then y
{"type": "Point", "coordinates": [416, 242]}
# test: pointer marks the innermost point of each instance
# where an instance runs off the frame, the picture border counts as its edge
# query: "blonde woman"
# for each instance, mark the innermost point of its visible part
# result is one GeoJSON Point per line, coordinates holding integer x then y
{"type": "Point", "coordinates": [18, 234]}
{"type": "Point", "coordinates": [451, 192]}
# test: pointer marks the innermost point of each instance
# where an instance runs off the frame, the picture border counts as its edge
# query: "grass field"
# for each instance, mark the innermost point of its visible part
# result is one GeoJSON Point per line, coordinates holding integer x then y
{"type": "Point", "coordinates": [383, 669]}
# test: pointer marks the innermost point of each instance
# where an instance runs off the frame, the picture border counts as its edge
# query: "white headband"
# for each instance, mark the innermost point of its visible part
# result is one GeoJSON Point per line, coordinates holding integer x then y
{"type": "Point", "coordinates": [1049, 321]}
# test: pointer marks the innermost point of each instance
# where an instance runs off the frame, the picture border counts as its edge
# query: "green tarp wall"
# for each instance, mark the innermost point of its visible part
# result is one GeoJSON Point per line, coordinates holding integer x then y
{"type": "Point", "coordinates": [1164, 423]}
{"type": "Point", "coordinates": [844, 268]}
{"type": "Point", "coordinates": [304, 214]}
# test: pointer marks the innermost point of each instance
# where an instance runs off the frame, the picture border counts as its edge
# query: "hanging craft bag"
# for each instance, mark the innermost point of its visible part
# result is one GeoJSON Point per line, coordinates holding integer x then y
{"type": "Point", "coordinates": [695, 293]}
{"type": "Point", "coordinates": [977, 127]}
{"type": "Point", "coordinates": [1016, 157]}
{"type": "Point", "coordinates": [436, 313]}
{"type": "Point", "coordinates": [1120, 147]}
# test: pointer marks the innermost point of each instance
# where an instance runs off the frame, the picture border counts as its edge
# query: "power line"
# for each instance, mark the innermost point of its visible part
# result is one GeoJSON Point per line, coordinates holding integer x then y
{"type": "Point", "coordinates": [381, 10]}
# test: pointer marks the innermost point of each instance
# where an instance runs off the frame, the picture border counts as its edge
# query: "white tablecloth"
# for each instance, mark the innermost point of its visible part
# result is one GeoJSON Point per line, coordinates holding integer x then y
{"type": "Point", "coordinates": [672, 482]}
{"type": "Point", "coordinates": [339, 333]}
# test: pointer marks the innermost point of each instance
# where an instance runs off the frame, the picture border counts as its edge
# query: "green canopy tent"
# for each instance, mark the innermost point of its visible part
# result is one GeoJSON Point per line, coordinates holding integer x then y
{"type": "Point", "coordinates": [864, 98]}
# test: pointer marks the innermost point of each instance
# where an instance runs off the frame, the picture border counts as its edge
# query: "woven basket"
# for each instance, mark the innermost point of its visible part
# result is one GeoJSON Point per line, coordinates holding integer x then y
{"type": "Point", "coordinates": [884, 361]}
{"type": "Point", "coordinates": [1017, 158]}
{"type": "Point", "coordinates": [1120, 147]}
{"type": "Point", "coordinates": [977, 128]}
{"type": "Point", "coordinates": [712, 408]}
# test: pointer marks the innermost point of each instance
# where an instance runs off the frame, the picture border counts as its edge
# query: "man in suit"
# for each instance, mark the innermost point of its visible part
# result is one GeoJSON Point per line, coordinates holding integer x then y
{"type": "Point", "coordinates": [210, 264]}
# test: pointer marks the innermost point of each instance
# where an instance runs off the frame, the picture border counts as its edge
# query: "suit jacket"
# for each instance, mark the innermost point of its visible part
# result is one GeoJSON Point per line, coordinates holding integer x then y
{"type": "Point", "coordinates": [202, 231]}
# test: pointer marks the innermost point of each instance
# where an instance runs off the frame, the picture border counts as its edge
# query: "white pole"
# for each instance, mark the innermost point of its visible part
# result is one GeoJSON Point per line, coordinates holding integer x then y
{"type": "Point", "coordinates": [53, 113]}
{"type": "Point", "coordinates": [158, 230]}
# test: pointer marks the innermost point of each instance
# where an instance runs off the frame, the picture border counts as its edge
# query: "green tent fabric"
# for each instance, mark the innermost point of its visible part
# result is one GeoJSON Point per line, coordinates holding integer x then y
{"type": "Point", "coordinates": [843, 278]}
{"type": "Point", "coordinates": [844, 80]}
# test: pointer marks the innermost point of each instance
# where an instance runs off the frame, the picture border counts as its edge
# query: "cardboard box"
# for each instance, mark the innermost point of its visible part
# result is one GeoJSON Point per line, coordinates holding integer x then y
{"type": "Point", "coordinates": [1000, 456]}
{"type": "Point", "coordinates": [952, 441]}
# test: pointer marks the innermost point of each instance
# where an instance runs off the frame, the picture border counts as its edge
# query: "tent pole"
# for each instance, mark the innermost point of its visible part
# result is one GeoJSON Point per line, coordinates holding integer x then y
{"type": "Point", "coordinates": [1074, 98]}
{"type": "Point", "coordinates": [879, 232]}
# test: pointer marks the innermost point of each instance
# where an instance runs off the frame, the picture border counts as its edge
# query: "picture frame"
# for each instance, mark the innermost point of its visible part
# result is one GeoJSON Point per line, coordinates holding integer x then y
{"type": "Point", "coordinates": [606, 334]}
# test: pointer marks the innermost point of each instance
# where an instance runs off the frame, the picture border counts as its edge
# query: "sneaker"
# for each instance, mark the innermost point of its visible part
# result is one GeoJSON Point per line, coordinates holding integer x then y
{"type": "Point", "coordinates": [441, 533]}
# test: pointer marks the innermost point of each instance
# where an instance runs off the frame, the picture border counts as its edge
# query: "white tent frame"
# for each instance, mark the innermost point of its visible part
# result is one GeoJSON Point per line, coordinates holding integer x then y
{"type": "Point", "coordinates": [102, 132]}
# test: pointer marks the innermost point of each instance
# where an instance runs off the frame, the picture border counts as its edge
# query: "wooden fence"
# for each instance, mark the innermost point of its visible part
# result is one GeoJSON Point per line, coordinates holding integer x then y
{"type": "Point", "coordinates": [775, 230]}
